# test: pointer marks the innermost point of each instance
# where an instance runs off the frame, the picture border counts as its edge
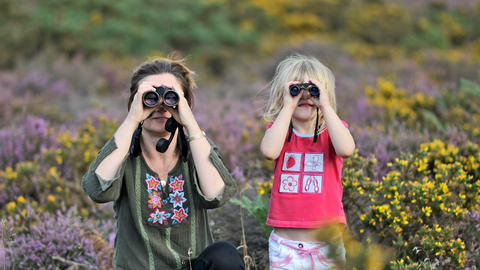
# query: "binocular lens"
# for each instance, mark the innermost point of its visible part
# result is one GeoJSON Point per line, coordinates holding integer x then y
{"type": "Point", "coordinates": [170, 98]}
{"type": "Point", "coordinates": [294, 90]}
{"type": "Point", "coordinates": [150, 99]}
{"type": "Point", "coordinates": [314, 91]}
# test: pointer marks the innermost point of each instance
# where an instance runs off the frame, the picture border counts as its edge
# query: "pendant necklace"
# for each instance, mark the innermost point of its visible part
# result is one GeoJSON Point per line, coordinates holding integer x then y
{"type": "Point", "coordinates": [162, 181]}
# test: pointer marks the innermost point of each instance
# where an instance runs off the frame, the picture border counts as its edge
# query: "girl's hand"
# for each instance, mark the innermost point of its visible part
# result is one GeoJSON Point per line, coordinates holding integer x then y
{"type": "Point", "coordinates": [138, 112]}
{"type": "Point", "coordinates": [288, 100]}
{"type": "Point", "coordinates": [323, 99]}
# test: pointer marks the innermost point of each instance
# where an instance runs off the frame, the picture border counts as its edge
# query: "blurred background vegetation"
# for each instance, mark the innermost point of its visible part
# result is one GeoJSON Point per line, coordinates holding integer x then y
{"type": "Point", "coordinates": [408, 84]}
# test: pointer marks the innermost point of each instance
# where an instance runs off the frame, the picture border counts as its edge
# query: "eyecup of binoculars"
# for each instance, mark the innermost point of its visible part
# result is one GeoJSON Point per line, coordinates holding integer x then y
{"type": "Point", "coordinates": [169, 96]}
{"type": "Point", "coordinates": [296, 88]}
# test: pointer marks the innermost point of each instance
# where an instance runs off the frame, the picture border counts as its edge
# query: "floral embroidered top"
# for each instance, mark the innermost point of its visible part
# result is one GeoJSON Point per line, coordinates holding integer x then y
{"type": "Point", "coordinates": [157, 228]}
{"type": "Point", "coordinates": [307, 187]}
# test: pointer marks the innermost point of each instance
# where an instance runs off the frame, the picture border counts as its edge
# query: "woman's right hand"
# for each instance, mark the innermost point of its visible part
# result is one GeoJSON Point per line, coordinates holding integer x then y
{"type": "Point", "coordinates": [138, 112]}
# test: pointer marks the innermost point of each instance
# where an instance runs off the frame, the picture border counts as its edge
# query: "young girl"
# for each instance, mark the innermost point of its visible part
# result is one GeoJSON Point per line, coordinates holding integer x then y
{"type": "Point", "coordinates": [308, 142]}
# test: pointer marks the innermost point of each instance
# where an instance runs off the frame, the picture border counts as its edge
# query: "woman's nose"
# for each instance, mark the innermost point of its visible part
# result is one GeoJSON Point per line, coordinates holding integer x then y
{"type": "Point", "coordinates": [161, 108]}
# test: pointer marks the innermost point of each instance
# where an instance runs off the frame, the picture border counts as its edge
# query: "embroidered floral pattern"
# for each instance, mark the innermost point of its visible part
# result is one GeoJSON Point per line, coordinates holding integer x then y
{"type": "Point", "coordinates": [289, 184]}
{"type": "Point", "coordinates": [155, 199]}
{"type": "Point", "coordinates": [179, 215]}
{"type": "Point", "coordinates": [152, 182]}
{"type": "Point", "coordinates": [177, 199]}
{"type": "Point", "coordinates": [159, 217]}
{"type": "Point", "coordinates": [177, 185]}
{"type": "Point", "coordinates": [173, 210]}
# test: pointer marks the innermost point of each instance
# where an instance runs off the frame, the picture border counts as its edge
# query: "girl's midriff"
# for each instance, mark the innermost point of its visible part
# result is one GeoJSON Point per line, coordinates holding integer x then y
{"type": "Point", "coordinates": [306, 235]}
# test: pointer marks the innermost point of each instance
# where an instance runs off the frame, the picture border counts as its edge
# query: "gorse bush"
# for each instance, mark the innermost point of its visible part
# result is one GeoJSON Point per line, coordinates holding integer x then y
{"type": "Point", "coordinates": [419, 204]}
{"type": "Point", "coordinates": [53, 177]}
{"type": "Point", "coordinates": [395, 104]}
{"type": "Point", "coordinates": [36, 193]}
{"type": "Point", "coordinates": [379, 23]}
{"type": "Point", "coordinates": [403, 121]}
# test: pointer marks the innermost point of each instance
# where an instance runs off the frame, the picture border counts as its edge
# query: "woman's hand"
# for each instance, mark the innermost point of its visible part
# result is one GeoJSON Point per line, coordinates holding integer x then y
{"type": "Point", "coordinates": [181, 112]}
{"type": "Point", "coordinates": [138, 112]}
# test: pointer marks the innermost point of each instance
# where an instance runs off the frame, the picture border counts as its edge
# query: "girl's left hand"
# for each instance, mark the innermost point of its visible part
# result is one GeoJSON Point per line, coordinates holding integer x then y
{"type": "Point", "coordinates": [323, 99]}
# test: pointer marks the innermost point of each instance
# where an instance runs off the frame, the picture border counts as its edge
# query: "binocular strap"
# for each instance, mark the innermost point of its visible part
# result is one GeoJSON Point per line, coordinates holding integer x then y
{"type": "Point", "coordinates": [315, 135]}
{"type": "Point", "coordinates": [135, 148]}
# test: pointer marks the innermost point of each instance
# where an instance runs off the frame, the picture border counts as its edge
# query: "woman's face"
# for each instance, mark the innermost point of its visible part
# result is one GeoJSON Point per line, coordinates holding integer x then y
{"type": "Point", "coordinates": [156, 123]}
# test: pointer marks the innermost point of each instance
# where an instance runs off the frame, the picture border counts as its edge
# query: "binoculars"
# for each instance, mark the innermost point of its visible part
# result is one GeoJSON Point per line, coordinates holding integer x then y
{"type": "Point", "coordinates": [312, 88]}
{"type": "Point", "coordinates": [170, 97]}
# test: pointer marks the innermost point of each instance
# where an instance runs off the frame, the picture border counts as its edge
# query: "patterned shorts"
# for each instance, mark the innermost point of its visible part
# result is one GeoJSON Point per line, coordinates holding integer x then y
{"type": "Point", "coordinates": [294, 255]}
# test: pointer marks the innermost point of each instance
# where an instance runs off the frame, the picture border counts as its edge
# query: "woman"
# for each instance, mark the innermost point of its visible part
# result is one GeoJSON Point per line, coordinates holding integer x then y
{"type": "Point", "coordinates": [160, 199]}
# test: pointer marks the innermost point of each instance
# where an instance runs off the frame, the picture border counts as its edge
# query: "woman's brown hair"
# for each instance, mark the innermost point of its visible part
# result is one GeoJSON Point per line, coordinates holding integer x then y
{"type": "Point", "coordinates": [172, 65]}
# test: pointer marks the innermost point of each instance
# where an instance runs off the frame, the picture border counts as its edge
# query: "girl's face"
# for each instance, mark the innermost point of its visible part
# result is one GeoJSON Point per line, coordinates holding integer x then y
{"type": "Point", "coordinates": [306, 109]}
{"type": "Point", "coordinates": [156, 123]}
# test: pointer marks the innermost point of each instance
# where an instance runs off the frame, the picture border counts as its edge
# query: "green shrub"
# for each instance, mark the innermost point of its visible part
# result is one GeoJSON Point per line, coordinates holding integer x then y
{"type": "Point", "coordinates": [127, 27]}
{"type": "Point", "coordinates": [258, 207]}
{"type": "Point", "coordinates": [421, 203]}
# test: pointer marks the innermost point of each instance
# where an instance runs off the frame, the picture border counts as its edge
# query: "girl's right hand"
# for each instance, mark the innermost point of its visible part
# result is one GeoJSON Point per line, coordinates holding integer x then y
{"type": "Point", "coordinates": [138, 112]}
{"type": "Point", "coordinates": [288, 100]}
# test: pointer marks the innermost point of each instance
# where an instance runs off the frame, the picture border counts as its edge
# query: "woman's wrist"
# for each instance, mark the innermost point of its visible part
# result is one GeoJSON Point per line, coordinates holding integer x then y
{"type": "Point", "coordinates": [130, 123]}
{"type": "Point", "coordinates": [196, 136]}
{"type": "Point", "coordinates": [193, 129]}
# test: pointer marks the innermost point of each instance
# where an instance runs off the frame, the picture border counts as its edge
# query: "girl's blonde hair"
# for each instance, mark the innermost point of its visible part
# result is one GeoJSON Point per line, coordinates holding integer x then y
{"type": "Point", "coordinates": [294, 68]}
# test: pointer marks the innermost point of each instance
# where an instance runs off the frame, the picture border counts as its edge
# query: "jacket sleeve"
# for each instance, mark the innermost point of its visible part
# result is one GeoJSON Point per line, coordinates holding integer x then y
{"type": "Point", "coordinates": [228, 190]}
{"type": "Point", "coordinates": [97, 188]}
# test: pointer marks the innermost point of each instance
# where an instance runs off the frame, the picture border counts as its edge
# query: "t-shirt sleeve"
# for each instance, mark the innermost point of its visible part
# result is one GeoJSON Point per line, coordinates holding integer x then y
{"type": "Point", "coordinates": [269, 126]}
{"type": "Point", "coordinates": [103, 190]}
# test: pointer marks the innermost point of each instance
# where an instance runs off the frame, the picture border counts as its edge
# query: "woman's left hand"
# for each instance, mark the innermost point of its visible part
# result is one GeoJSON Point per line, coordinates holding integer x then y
{"type": "Point", "coordinates": [323, 99]}
{"type": "Point", "coordinates": [181, 112]}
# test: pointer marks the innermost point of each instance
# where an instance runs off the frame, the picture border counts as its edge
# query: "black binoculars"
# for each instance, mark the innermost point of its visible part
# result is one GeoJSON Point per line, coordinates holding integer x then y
{"type": "Point", "coordinates": [296, 88]}
{"type": "Point", "coordinates": [170, 97]}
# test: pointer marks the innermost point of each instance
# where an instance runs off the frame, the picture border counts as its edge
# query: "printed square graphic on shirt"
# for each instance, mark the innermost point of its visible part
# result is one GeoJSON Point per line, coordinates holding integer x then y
{"type": "Point", "coordinates": [289, 183]}
{"type": "Point", "coordinates": [313, 162]}
{"type": "Point", "coordinates": [312, 184]}
{"type": "Point", "coordinates": [292, 162]}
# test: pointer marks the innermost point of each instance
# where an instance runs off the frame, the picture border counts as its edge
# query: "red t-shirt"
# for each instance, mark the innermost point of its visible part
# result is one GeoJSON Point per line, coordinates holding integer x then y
{"type": "Point", "coordinates": [307, 187]}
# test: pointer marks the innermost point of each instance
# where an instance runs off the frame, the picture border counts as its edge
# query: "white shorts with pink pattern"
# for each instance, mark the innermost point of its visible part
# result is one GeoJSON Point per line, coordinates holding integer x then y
{"type": "Point", "coordinates": [294, 255]}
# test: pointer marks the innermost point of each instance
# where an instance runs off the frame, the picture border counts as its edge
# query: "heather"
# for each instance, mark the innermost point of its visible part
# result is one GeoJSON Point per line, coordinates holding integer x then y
{"type": "Point", "coordinates": [407, 83]}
